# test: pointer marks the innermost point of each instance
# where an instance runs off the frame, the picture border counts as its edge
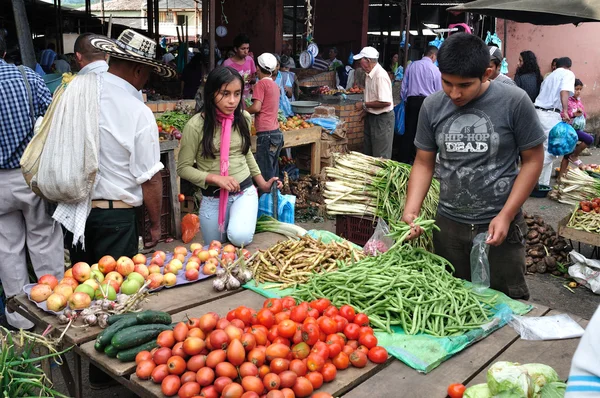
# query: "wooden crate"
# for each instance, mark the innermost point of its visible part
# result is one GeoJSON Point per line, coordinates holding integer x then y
{"type": "Point", "coordinates": [577, 235]}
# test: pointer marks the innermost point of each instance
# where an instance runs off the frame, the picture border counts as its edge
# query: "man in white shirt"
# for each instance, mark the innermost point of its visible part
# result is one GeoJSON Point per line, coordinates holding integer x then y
{"type": "Point", "coordinates": [89, 58]}
{"type": "Point", "coordinates": [552, 105]}
{"type": "Point", "coordinates": [378, 108]}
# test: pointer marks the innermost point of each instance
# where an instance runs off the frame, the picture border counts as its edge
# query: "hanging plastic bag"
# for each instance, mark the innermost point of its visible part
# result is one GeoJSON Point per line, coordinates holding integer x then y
{"type": "Point", "coordinates": [190, 225]}
{"type": "Point", "coordinates": [286, 207]}
{"type": "Point", "coordinates": [504, 67]}
{"type": "Point", "coordinates": [399, 115]}
{"type": "Point", "coordinates": [379, 242]}
{"type": "Point", "coordinates": [579, 123]}
{"type": "Point", "coordinates": [480, 265]}
{"type": "Point", "coordinates": [562, 139]}
{"type": "Point", "coordinates": [437, 42]}
{"type": "Point", "coordinates": [399, 73]}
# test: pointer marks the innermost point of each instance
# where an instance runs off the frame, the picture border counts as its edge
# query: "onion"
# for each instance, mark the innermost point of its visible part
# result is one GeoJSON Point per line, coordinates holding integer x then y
{"type": "Point", "coordinates": [91, 319]}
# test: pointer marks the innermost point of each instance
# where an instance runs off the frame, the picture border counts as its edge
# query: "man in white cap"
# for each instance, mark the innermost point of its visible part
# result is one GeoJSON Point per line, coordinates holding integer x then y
{"type": "Point", "coordinates": [378, 107]}
{"type": "Point", "coordinates": [265, 105]}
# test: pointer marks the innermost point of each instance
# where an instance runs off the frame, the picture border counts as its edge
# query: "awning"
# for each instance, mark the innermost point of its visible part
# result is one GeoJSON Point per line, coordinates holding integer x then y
{"type": "Point", "coordinates": [537, 12]}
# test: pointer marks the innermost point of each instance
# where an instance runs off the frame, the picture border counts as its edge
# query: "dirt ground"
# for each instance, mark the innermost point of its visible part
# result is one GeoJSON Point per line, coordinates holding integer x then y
{"type": "Point", "coordinates": [545, 289]}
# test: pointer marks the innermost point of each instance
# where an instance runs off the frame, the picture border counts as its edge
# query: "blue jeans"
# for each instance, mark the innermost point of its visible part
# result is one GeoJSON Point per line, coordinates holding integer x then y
{"type": "Point", "coordinates": [240, 218]}
{"type": "Point", "coordinates": [268, 148]}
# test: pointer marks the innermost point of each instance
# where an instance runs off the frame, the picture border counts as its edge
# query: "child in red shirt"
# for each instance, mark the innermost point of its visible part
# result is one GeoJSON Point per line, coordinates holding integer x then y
{"type": "Point", "coordinates": [265, 105]}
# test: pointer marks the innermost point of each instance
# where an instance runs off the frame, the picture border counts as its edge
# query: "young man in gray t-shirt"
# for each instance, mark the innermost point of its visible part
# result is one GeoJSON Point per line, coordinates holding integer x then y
{"type": "Point", "coordinates": [480, 130]}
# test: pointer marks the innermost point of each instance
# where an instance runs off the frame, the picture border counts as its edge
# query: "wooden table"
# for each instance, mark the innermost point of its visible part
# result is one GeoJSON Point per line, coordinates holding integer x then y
{"type": "Point", "coordinates": [310, 136]}
{"type": "Point", "coordinates": [392, 379]}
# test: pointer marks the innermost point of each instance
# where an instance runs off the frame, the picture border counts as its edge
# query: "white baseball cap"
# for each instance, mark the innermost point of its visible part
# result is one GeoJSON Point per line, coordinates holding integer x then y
{"type": "Point", "coordinates": [367, 52]}
{"type": "Point", "coordinates": [268, 62]}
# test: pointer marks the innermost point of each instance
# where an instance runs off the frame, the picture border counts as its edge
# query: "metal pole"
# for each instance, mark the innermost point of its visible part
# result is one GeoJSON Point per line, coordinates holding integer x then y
{"type": "Point", "coordinates": [59, 40]}
{"type": "Point", "coordinates": [102, 5]}
{"type": "Point", "coordinates": [23, 34]}
{"type": "Point", "coordinates": [407, 30]}
{"type": "Point", "coordinates": [381, 38]}
{"type": "Point", "coordinates": [505, 49]}
{"type": "Point", "coordinates": [156, 21]}
{"type": "Point", "coordinates": [211, 57]}
{"type": "Point", "coordinates": [295, 29]}
{"type": "Point", "coordinates": [204, 20]}
{"type": "Point", "coordinates": [149, 21]}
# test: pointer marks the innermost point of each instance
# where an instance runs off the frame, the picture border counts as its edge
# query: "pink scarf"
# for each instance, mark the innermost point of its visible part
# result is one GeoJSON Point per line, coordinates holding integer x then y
{"type": "Point", "coordinates": [226, 123]}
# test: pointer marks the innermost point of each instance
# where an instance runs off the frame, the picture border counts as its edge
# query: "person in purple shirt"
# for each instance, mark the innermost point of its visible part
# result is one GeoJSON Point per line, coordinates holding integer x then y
{"type": "Point", "coordinates": [421, 79]}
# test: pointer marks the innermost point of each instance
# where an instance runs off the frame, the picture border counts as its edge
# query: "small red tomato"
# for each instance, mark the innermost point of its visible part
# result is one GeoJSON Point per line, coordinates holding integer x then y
{"type": "Point", "coordinates": [327, 325]}
{"type": "Point", "coordinates": [456, 390]}
{"type": "Point", "coordinates": [347, 312]}
{"type": "Point", "coordinates": [181, 197]}
{"type": "Point", "coordinates": [361, 319]}
{"type": "Point", "coordinates": [310, 333]}
{"type": "Point", "coordinates": [366, 329]}
{"type": "Point", "coordinates": [331, 311]}
{"type": "Point", "coordinates": [315, 362]}
{"type": "Point", "coordinates": [358, 359]}
{"type": "Point", "coordinates": [274, 305]}
{"type": "Point", "coordinates": [368, 340]}
{"type": "Point", "coordinates": [352, 331]}
{"type": "Point", "coordinates": [378, 354]}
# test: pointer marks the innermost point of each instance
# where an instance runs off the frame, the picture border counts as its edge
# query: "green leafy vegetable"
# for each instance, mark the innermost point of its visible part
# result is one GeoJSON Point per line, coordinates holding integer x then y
{"type": "Point", "coordinates": [478, 391]}
{"type": "Point", "coordinates": [509, 379]}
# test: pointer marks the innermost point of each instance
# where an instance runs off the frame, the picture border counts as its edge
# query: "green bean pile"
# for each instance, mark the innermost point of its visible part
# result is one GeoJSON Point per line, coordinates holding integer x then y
{"type": "Point", "coordinates": [407, 287]}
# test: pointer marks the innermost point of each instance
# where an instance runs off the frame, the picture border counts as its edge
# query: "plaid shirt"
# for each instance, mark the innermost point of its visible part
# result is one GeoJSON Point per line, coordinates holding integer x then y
{"type": "Point", "coordinates": [16, 126]}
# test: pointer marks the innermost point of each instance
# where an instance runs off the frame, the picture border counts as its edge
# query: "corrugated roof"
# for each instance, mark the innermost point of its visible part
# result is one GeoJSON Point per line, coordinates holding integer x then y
{"type": "Point", "coordinates": [177, 4]}
{"type": "Point", "coordinates": [137, 5]}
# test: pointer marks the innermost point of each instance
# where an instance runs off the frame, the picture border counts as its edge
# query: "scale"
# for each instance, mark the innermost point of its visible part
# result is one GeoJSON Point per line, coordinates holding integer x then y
{"type": "Point", "coordinates": [313, 49]}
{"type": "Point", "coordinates": [306, 60]}
{"type": "Point", "coordinates": [221, 31]}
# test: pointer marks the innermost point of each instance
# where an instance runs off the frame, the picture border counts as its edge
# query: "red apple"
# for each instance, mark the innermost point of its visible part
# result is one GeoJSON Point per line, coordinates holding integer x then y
{"type": "Point", "coordinates": [210, 267]}
{"type": "Point", "coordinates": [107, 264]}
{"type": "Point", "coordinates": [40, 292]}
{"type": "Point", "coordinates": [125, 266]}
{"type": "Point", "coordinates": [229, 249]}
{"type": "Point", "coordinates": [246, 253]}
{"type": "Point", "coordinates": [191, 274]}
{"type": "Point", "coordinates": [195, 252]}
{"type": "Point", "coordinates": [179, 257]}
{"type": "Point", "coordinates": [158, 260]}
{"type": "Point", "coordinates": [142, 270]}
{"type": "Point", "coordinates": [69, 281]}
{"type": "Point", "coordinates": [156, 280]}
{"type": "Point", "coordinates": [195, 246]}
{"type": "Point", "coordinates": [69, 273]}
{"type": "Point", "coordinates": [194, 259]}
{"type": "Point", "coordinates": [114, 276]}
{"type": "Point", "coordinates": [139, 259]}
{"type": "Point", "coordinates": [204, 255]}
{"type": "Point", "coordinates": [49, 280]}
{"type": "Point", "coordinates": [228, 257]}
{"type": "Point", "coordinates": [216, 244]}
{"type": "Point", "coordinates": [64, 290]}
{"type": "Point", "coordinates": [154, 269]}
{"type": "Point", "coordinates": [169, 279]}
{"type": "Point", "coordinates": [180, 250]}
{"type": "Point", "coordinates": [79, 301]}
{"type": "Point", "coordinates": [213, 253]}
{"type": "Point", "coordinates": [160, 254]}
{"type": "Point", "coordinates": [192, 264]}
{"type": "Point", "coordinates": [56, 302]}
{"type": "Point", "coordinates": [81, 271]}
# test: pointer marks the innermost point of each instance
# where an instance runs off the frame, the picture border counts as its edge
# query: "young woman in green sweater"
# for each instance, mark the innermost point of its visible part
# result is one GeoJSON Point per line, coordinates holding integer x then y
{"type": "Point", "coordinates": [215, 155]}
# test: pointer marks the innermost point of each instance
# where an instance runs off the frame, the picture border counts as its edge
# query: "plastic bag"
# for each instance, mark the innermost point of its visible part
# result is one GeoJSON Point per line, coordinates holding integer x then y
{"type": "Point", "coordinates": [579, 123]}
{"type": "Point", "coordinates": [190, 225]}
{"type": "Point", "coordinates": [554, 327]}
{"type": "Point", "coordinates": [379, 242]}
{"type": "Point", "coordinates": [585, 271]}
{"type": "Point", "coordinates": [562, 139]}
{"type": "Point", "coordinates": [286, 206]}
{"type": "Point", "coordinates": [480, 265]}
{"type": "Point", "coordinates": [399, 115]}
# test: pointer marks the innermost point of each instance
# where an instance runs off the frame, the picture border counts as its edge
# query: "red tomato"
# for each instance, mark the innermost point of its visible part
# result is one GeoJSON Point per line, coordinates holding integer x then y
{"type": "Point", "coordinates": [272, 381]}
{"type": "Point", "coordinates": [341, 323]}
{"type": "Point", "coordinates": [347, 349]}
{"type": "Point", "coordinates": [334, 349]}
{"type": "Point", "coordinates": [331, 311]}
{"type": "Point", "coordinates": [302, 387]}
{"type": "Point", "coordinates": [335, 339]}
{"type": "Point", "coordinates": [329, 372]}
{"type": "Point", "coordinates": [288, 302]}
{"type": "Point", "coordinates": [347, 312]}
{"type": "Point", "coordinates": [273, 333]}
{"type": "Point", "coordinates": [315, 362]}
{"type": "Point", "coordinates": [310, 333]}
{"type": "Point", "coordinates": [231, 315]}
{"type": "Point", "coordinates": [286, 328]}
{"type": "Point", "coordinates": [282, 316]}
{"type": "Point", "coordinates": [365, 329]}
{"type": "Point", "coordinates": [368, 340]}
{"type": "Point", "coordinates": [181, 197]}
{"type": "Point", "coordinates": [321, 349]}
{"type": "Point", "coordinates": [341, 361]}
{"type": "Point", "coordinates": [361, 319]}
{"type": "Point", "coordinates": [244, 314]}
{"type": "Point", "coordinates": [456, 390]}
{"type": "Point", "coordinates": [316, 379]}
{"type": "Point", "coordinates": [352, 331]}
{"type": "Point", "coordinates": [378, 355]}
{"type": "Point", "coordinates": [300, 350]}
{"type": "Point", "coordinates": [358, 359]}
{"type": "Point", "coordinates": [274, 305]}
{"type": "Point", "coordinates": [320, 304]}
{"type": "Point", "coordinates": [298, 367]}
{"type": "Point", "coordinates": [327, 325]}
{"type": "Point", "coordinates": [313, 312]}
{"type": "Point", "coordinates": [299, 313]}
{"type": "Point", "coordinates": [170, 385]}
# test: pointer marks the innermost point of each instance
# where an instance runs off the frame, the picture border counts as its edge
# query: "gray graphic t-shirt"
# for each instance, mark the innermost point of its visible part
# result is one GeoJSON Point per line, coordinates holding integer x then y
{"type": "Point", "coordinates": [479, 146]}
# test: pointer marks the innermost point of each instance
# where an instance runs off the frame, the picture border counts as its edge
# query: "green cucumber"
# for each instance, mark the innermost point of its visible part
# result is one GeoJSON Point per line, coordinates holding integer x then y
{"type": "Point", "coordinates": [111, 351]}
{"type": "Point", "coordinates": [129, 354]}
{"type": "Point", "coordinates": [107, 334]}
{"type": "Point", "coordinates": [136, 335]}
{"type": "Point", "coordinates": [149, 316]}
{"type": "Point", "coordinates": [117, 317]}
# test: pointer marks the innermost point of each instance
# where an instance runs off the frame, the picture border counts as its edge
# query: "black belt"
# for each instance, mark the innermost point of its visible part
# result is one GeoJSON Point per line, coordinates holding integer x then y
{"type": "Point", "coordinates": [548, 110]}
{"type": "Point", "coordinates": [215, 191]}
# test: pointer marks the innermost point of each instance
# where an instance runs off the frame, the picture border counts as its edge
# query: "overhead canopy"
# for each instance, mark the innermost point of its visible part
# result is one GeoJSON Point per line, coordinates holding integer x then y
{"type": "Point", "coordinates": [537, 12]}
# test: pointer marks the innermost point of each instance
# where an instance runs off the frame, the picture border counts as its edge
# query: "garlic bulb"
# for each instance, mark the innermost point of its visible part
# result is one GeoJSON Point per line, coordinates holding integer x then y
{"type": "Point", "coordinates": [103, 320]}
{"type": "Point", "coordinates": [232, 283]}
{"type": "Point", "coordinates": [219, 285]}
{"type": "Point", "coordinates": [91, 319]}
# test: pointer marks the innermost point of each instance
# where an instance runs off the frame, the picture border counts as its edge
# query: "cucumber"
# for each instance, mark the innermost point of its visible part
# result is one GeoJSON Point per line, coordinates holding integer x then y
{"type": "Point", "coordinates": [129, 354]}
{"type": "Point", "coordinates": [111, 351]}
{"type": "Point", "coordinates": [107, 334]}
{"type": "Point", "coordinates": [117, 317]}
{"type": "Point", "coordinates": [136, 335]}
{"type": "Point", "coordinates": [149, 316]}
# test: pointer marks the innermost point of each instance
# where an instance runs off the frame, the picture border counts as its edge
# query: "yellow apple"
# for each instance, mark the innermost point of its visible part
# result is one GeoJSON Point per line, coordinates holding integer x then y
{"type": "Point", "coordinates": [169, 279]}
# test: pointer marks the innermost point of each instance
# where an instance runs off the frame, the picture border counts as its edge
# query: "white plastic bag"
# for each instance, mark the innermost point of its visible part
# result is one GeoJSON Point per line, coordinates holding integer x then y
{"type": "Point", "coordinates": [480, 265]}
{"type": "Point", "coordinates": [554, 327]}
{"type": "Point", "coordinates": [585, 271]}
{"type": "Point", "coordinates": [379, 242]}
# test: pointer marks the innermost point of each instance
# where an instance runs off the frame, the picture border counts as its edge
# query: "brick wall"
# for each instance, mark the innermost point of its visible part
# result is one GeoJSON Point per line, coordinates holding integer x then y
{"type": "Point", "coordinates": [317, 79]}
{"type": "Point", "coordinates": [354, 126]}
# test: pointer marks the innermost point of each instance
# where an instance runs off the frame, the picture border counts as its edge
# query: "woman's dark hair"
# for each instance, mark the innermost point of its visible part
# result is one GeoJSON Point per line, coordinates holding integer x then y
{"type": "Point", "coordinates": [464, 55]}
{"type": "Point", "coordinates": [578, 83]}
{"type": "Point", "coordinates": [240, 39]}
{"type": "Point", "coordinates": [215, 80]}
{"type": "Point", "coordinates": [554, 61]}
{"type": "Point", "coordinates": [530, 65]}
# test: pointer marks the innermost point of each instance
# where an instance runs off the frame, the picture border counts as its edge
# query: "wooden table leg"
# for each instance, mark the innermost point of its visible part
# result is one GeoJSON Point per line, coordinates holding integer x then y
{"type": "Point", "coordinates": [45, 363]}
{"type": "Point", "coordinates": [77, 374]}
{"type": "Point", "coordinates": [175, 207]}
{"type": "Point", "coordinates": [315, 158]}
{"type": "Point", "coordinates": [67, 375]}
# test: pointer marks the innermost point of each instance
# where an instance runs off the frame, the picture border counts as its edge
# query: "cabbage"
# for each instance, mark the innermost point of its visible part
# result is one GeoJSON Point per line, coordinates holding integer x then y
{"type": "Point", "coordinates": [509, 380]}
{"type": "Point", "coordinates": [478, 391]}
{"type": "Point", "coordinates": [555, 389]}
{"type": "Point", "coordinates": [540, 375]}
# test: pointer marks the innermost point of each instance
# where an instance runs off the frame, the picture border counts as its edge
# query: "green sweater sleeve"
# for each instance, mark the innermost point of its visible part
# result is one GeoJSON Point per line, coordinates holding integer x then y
{"type": "Point", "coordinates": [190, 145]}
{"type": "Point", "coordinates": [250, 160]}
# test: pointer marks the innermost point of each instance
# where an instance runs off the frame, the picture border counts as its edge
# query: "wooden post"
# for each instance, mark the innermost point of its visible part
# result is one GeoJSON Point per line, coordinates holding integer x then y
{"type": "Point", "coordinates": [24, 34]}
{"type": "Point", "coordinates": [204, 20]}
{"type": "Point", "coordinates": [407, 30]}
{"type": "Point", "coordinates": [295, 29]}
{"type": "Point", "coordinates": [212, 26]}
{"type": "Point", "coordinates": [60, 48]}
{"type": "Point", "coordinates": [156, 20]}
{"type": "Point", "coordinates": [149, 21]}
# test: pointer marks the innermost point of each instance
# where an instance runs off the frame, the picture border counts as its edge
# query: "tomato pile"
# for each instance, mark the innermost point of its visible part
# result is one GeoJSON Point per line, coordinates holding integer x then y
{"type": "Point", "coordinates": [283, 350]}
